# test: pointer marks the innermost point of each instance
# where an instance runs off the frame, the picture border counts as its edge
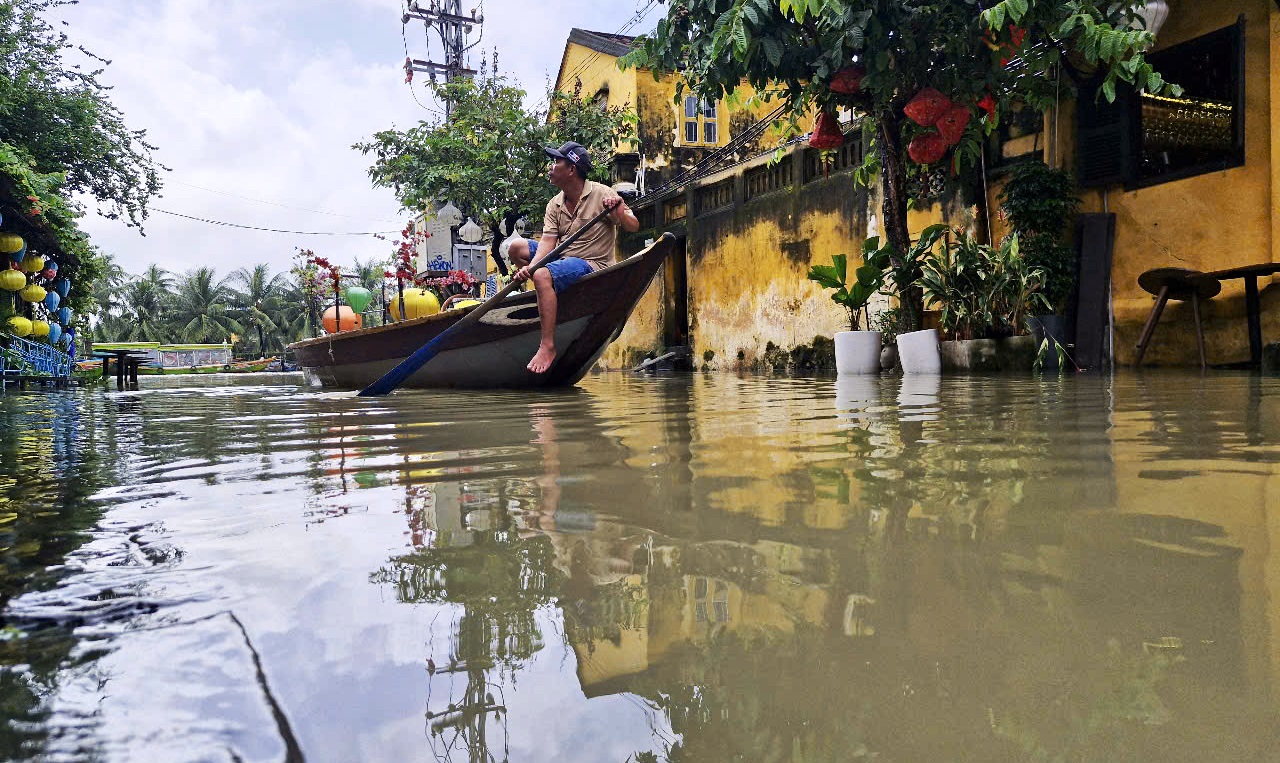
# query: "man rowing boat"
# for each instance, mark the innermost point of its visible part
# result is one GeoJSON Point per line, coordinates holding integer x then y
{"type": "Point", "coordinates": [578, 202]}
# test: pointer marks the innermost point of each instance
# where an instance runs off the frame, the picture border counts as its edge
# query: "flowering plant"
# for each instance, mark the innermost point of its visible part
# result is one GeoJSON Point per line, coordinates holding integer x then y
{"type": "Point", "coordinates": [456, 282]}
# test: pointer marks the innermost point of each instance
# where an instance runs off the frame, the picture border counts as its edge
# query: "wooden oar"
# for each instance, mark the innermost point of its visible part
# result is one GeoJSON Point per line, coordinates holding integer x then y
{"type": "Point", "coordinates": [396, 376]}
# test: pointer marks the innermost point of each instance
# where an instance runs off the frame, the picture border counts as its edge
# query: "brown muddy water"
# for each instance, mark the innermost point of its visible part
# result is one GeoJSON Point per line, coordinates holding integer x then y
{"type": "Point", "coordinates": [690, 568]}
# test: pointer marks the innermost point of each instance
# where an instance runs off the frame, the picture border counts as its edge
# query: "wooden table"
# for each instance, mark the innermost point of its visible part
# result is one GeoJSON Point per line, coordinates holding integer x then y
{"type": "Point", "coordinates": [1252, 302]}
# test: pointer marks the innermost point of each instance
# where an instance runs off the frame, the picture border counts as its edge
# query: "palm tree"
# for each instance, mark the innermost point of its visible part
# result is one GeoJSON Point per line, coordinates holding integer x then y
{"type": "Point", "coordinates": [106, 294]}
{"type": "Point", "coordinates": [255, 295]}
{"type": "Point", "coordinates": [371, 275]}
{"type": "Point", "coordinates": [202, 309]}
{"type": "Point", "coordinates": [146, 300]}
{"type": "Point", "coordinates": [291, 313]}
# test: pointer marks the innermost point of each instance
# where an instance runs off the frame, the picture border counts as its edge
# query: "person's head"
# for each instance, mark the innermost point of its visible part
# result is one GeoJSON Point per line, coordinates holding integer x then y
{"type": "Point", "coordinates": [568, 161]}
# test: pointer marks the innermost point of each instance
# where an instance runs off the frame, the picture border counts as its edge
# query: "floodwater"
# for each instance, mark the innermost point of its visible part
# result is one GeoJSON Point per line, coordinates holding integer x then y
{"type": "Point", "coordinates": [701, 568]}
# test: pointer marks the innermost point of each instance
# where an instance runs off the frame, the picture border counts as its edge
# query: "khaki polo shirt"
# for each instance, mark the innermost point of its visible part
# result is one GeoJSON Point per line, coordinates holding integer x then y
{"type": "Point", "coordinates": [597, 244]}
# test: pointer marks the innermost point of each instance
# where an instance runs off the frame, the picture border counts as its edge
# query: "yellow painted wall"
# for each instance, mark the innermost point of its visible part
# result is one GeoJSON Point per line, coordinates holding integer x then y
{"type": "Point", "coordinates": [597, 70]}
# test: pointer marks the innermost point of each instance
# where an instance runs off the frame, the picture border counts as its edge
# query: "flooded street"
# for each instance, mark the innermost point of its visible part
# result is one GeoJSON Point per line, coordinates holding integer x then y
{"type": "Point", "coordinates": [689, 568]}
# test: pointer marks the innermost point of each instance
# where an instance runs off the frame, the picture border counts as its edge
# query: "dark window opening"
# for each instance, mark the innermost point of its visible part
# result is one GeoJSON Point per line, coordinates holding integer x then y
{"type": "Point", "coordinates": [1203, 129]}
{"type": "Point", "coordinates": [1143, 139]}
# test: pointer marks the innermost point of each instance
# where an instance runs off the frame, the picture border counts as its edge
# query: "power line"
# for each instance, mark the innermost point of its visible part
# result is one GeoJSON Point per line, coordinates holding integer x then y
{"type": "Point", "coordinates": [275, 230]}
{"type": "Point", "coordinates": [277, 204]}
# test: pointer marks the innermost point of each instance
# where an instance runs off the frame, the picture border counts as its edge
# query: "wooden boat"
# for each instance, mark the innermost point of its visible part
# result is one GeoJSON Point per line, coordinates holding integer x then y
{"type": "Point", "coordinates": [494, 351]}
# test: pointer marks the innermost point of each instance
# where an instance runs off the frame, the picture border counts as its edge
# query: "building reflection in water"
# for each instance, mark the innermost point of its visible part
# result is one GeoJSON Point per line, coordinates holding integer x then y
{"type": "Point", "coordinates": [924, 571]}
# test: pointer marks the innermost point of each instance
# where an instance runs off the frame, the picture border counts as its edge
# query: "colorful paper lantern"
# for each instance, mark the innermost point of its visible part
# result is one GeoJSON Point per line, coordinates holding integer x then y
{"type": "Point", "coordinates": [33, 263]}
{"type": "Point", "coordinates": [12, 280]}
{"type": "Point", "coordinates": [39, 329]}
{"type": "Point", "coordinates": [51, 300]}
{"type": "Point", "coordinates": [346, 320]}
{"type": "Point", "coordinates": [358, 297]}
{"type": "Point", "coordinates": [55, 333]}
{"type": "Point", "coordinates": [418, 303]}
{"type": "Point", "coordinates": [11, 244]}
{"type": "Point", "coordinates": [48, 273]}
{"type": "Point", "coordinates": [62, 286]}
{"type": "Point", "coordinates": [64, 315]}
{"type": "Point", "coordinates": [33, 293]}
{"type": "Point", "coordinates": [19, 326]}
{"type": "Point", "coordinates": [51, 265]}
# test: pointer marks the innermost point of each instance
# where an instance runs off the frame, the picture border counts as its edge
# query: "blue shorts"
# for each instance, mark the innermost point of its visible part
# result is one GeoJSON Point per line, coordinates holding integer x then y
{"type": "Point", "coordinates": [566, 271]}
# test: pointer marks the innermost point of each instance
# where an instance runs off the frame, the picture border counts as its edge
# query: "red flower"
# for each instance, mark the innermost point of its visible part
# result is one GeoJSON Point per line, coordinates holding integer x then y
{"type": "Point", "coordinates": [988, 104]}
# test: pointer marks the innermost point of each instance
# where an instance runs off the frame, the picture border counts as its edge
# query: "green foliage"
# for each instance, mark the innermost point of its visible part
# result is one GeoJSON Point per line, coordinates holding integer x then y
{"type": "Point", "coordinates": [981, 291]}
{"type": "Point", "coordinates": [61, 118]}
{"type": "Point", "coordinates": [868, 278]}
{"type": "Point", "coordinates": [488, 157]}
{"type": "Point", "coordinates": [790, 49]}
{"type": "Point", "coordinates": [1040, 203]}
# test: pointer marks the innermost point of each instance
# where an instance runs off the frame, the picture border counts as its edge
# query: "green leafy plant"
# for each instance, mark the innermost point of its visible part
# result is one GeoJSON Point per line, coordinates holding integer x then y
{"type": "Point", "coordinates": [868, 278]}
{"type": "Point", "coordinates": [1039, 202]}
{"type": "Point", "coordinates": [981, 291]}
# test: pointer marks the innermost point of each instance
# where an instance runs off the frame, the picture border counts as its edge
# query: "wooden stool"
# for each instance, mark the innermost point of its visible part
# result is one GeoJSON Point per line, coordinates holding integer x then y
{"type": "Point", "coordinates": [1175, 283]}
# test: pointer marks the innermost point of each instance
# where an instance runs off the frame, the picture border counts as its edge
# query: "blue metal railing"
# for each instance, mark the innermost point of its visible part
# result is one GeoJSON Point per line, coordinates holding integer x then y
{"type": "Point", "coordinates": [21, 357]}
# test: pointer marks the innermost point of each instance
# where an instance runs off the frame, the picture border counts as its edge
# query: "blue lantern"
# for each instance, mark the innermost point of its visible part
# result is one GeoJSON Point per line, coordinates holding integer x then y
{"type": "Point", "coordinates": [52, 300]}
{"type": "Point", "coordinates": [62, 286]}
{"type": "Point", "coordinates": [64, 315]}
{"type": "Point", "coordinates": [19, 255]}
{"type": "Point", "coordinates": [51, 265]}
{"type": "Point", "coordinates": [55, 333]}
{"type": "Point", "coordinates": [68, 337]}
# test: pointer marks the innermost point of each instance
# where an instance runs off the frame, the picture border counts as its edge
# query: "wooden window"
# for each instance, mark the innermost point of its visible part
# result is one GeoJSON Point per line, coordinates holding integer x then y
{"type": "Point", "coordinates": [701, 122]}
{"type": "Point", "coordinates": [1143, 139]}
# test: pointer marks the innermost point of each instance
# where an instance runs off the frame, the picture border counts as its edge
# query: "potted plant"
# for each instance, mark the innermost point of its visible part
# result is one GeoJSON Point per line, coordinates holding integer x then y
{"type": "Point", "coordinates": [1039, 202]}
{"type": "Point", "coordinates": [918, 351]}
{"type": "Point", "coordinates": [983, 294]}
{"type": "Point", "coordinates": [857, 351]}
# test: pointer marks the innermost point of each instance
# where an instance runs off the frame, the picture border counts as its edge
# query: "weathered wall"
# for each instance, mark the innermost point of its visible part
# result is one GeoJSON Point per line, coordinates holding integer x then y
{"type": "Point", "coordinates": [1208, 222]}
{"type": "Point", "coordinates": [596, 71]}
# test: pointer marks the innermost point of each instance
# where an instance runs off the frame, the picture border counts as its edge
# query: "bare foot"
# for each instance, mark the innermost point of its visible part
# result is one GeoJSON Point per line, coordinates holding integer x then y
{"type": "Point", "coordinates": [542, 360]}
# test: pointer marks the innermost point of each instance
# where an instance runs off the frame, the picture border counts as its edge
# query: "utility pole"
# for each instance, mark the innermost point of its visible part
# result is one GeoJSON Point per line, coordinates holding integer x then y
{"type": "Point", "coordinates": [445, 17]}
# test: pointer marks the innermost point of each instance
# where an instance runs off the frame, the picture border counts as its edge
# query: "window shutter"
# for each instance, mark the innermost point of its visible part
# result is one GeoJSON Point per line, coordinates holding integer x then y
{"type": "Point", "coordinates": [1104, 135]}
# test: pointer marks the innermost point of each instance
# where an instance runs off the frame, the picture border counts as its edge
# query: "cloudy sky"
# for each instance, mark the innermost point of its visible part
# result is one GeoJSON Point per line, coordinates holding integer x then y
{"type": "Point", "coordinates": [254, 105]}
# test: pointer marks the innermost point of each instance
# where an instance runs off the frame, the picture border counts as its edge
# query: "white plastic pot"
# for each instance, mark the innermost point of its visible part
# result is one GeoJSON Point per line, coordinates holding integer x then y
{"type": "Point", "coordinates": [918, 352]}
{"type": "Point", "coordinates": [857, 352]}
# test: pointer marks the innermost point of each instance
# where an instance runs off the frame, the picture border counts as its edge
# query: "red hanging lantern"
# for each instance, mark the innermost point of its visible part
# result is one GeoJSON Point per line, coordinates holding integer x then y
{"type": "Point", "coordinates": [848, 80]}
{"type": "Point", "coordinates": [826, 132]}
{"type": "Point", "coordinates": [927, 148]}
{"type": "Point", "coordinates": [927, 107]}
{"type": "Point", "coordinates": [951, 125]}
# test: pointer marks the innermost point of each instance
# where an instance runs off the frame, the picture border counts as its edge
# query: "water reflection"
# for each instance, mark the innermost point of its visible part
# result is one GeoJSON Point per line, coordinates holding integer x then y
{"type": "Point", "coordinates": [686, 568]}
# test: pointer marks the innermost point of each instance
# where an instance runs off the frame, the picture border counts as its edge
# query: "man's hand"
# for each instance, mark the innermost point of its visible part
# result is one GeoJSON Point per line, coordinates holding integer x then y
{"type": "Point", "coordinates": [620, 214]}
{"type": "Point", "coordinates": [521, 275]}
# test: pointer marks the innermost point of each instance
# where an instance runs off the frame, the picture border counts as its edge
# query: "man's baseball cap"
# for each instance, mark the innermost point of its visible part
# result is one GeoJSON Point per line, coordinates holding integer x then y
{"type": "Point", "coordinates": [574, 153]}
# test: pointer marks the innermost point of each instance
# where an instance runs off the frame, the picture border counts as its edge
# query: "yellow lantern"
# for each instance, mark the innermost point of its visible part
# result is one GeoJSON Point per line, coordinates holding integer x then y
{"type": "Point", "coordinates": [39, 329]}
{"type": "Point", "coordinates": [418, 303]}
{"type": "Point", "coordinates": [33, 293]}
{"type": "Point", "coordinates": [12, 280]}
{"type": "Point", "coordinates": [19, 326]}
{"type": "Point", "coordinates": [34, 263]}
{"type": "Point", "coordinates": [10, 243]}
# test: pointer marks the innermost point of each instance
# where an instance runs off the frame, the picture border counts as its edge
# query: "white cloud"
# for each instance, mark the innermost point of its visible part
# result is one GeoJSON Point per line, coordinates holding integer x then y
{"type": "Point", "coordinates": [263, 99]}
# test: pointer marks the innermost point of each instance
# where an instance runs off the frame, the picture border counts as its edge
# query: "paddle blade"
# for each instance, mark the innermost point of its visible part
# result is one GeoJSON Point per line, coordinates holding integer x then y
{"type": "Point", "coordinates": [396, 376]}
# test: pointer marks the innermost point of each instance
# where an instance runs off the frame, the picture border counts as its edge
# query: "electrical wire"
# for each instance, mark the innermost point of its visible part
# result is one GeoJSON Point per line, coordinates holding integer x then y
{"type": "Point", "coordinates": [277, 204]}
{"type": "Point", "coordinates": [413, 92]}
{"type": "Point", "coordinates": [636, 18]}
{"type": "Point", "coordinates": [275, 230]}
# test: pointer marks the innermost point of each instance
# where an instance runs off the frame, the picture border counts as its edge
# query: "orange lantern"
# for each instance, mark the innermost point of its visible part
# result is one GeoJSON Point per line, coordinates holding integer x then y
{"type": "Point", "coordinates": [345, 320]}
